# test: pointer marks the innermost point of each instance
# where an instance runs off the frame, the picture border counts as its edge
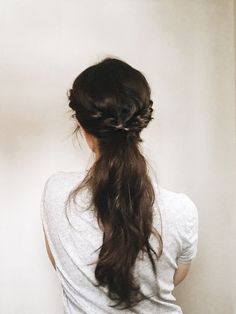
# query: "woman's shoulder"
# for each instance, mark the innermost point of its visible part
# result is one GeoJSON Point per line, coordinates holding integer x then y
{"type": "Point", "coordinates": [179, 204]}
{"type": "Point", "coordinates": [62, 181]}
{"type": "Point", "coordinates": [65, 174]}
{"type": "Point", "coordinates": [61, 175]}
{"type": "Point", "coordinates": [172, 199]}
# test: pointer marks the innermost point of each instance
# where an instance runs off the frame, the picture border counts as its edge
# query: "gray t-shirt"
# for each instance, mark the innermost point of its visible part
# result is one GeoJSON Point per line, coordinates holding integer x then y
{"type": "Point", "coordinates": [74, 248]}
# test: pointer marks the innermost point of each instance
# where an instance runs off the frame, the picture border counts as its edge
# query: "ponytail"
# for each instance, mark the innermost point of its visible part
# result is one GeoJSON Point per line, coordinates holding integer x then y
{"type": "Point", "coordinates": [122, 196]}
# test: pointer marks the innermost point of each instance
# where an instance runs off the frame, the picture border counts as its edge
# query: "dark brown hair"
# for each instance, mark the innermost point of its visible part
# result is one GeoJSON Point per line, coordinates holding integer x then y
{"type": "Point", "coordinates": [111, 101]}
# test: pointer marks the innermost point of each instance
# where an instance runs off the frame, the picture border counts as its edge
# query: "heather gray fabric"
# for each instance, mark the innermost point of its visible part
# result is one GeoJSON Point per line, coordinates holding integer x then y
{"type": "Point", "coordinates": [74, 248]}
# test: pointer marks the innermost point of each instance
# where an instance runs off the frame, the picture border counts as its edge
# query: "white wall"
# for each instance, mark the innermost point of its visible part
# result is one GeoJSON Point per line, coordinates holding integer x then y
{"type": "Point", "coordinates": [186, 50]}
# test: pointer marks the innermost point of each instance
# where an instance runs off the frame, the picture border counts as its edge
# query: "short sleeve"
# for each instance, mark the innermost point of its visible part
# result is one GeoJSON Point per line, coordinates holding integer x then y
{"type": "Point", "coordinates": [48, 218]}
{"type": "Point", "coordinates": [190, 231]}
{"type": "Point", "coordinates": [44, 213]}
{"type": "Point", "coordinates": [48, 198]}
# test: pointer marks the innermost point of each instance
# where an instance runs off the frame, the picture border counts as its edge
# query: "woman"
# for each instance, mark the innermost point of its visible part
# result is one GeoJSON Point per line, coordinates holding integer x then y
{"type": "Point", "coordinates": [117, 239]}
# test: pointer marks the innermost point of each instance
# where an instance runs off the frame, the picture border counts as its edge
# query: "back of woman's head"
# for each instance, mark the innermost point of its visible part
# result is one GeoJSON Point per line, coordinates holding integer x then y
{"type": "Point", "coordinates": [111, 101]}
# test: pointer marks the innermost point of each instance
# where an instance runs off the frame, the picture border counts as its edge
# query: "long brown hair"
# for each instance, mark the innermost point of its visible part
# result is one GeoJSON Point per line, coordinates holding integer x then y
{"type": "Point", "coordinates": [111, 100]}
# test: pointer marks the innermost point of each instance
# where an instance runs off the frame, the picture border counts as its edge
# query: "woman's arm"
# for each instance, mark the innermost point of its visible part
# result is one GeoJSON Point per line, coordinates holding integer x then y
{"type": "Point", "coordinates": [181, 272]}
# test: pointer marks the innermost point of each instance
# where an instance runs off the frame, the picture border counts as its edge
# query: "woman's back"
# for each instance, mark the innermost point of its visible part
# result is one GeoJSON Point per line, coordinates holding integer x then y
{"type": "Point", "coordinates": [74, 248]}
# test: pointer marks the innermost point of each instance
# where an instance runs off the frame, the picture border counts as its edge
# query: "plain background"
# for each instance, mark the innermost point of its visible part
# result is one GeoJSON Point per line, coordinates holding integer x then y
{"type": "Point", "coordinates": [186, 49]}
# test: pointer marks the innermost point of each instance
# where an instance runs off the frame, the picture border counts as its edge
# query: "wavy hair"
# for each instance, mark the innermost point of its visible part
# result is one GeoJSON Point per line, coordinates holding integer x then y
{"type": "Point", "coordinates": [111, 101]}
